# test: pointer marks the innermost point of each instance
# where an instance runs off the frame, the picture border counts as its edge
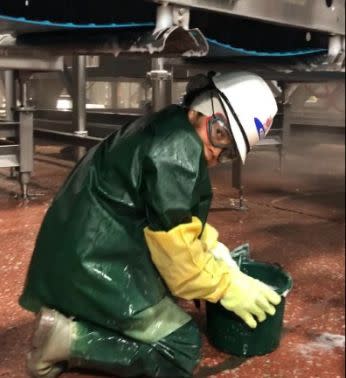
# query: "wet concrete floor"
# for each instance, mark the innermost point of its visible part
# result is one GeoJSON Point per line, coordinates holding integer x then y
{"type": "Point", "coordinates": [295, 219]}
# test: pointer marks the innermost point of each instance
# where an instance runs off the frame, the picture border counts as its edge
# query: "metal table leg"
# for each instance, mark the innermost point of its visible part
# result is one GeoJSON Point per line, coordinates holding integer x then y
{"type": "Point", "coordinates": [79, 100]}
{"type": "Point", "coordinates": [237, 182]}
{"type": "Point", "coordinates": [161, 83]}
{"type": "Point", "coordinates": [26, 146]}
{"type": "Point", "coordinates": [10, 95]}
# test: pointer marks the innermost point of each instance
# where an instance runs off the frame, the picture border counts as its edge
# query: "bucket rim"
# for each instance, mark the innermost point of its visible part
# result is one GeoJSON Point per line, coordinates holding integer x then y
{"type": "Point", "coordinates": [275, 266]}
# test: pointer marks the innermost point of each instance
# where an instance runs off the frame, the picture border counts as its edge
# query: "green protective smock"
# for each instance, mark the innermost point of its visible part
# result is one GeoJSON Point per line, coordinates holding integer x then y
{"type": "Point", "coordinates": [91, 260]}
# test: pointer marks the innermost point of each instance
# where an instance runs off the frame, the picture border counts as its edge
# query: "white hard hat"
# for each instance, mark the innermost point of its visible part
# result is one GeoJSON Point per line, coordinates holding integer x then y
{"type": "Point", "coordinates": [250, 107]}
{"type": "Point", "coordinates": [248, 103]}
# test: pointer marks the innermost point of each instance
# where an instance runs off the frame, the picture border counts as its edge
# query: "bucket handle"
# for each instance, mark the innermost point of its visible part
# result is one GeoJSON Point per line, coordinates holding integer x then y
{"type": "Point", "coordinates": [284, 294]}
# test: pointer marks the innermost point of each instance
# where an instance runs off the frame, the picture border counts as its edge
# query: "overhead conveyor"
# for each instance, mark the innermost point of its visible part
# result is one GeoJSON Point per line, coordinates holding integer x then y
{"type": "Point", "coordinates": [164, 26]}
{"type": "Point", "coordinates": [319, 15]}
{"type": "Point", "coordinates": [286, 41]}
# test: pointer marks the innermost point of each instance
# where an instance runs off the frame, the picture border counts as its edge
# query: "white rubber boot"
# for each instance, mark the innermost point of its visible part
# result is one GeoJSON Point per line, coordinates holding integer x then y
{"type": "Point", "coordinates": [50, 344]}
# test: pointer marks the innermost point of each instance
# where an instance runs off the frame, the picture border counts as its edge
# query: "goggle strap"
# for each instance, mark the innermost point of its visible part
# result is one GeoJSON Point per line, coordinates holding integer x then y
{"type": "Point", "coordinates": [235, 117]}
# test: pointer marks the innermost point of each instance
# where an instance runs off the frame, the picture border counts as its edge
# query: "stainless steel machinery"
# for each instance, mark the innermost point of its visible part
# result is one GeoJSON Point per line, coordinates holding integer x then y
{"type": "Point", "coordinates": [286, 41]}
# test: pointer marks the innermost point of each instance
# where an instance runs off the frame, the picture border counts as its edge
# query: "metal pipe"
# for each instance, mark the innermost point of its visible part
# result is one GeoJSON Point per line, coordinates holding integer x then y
{"type": "Point", "coordinates": [79, 95]}
{"type": "Point", "coordinates": [10, 94]}
{"type": "Point", "coordinates": [68, 138]}
{"type": "Point", "coordinates": [26, 154]}
{"type": "Point", "coordinates": [336, 44]}
{"type": "Point", "coordinates": [24, 94]}
{"type": "Point", "coordinates": [164, 17]}
{"type": "Point", "coordinates": [161, 84]}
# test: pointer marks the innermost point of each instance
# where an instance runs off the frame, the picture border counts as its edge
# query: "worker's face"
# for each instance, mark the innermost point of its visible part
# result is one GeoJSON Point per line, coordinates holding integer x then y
{"type": "Point", "coordinates": [200, 123]}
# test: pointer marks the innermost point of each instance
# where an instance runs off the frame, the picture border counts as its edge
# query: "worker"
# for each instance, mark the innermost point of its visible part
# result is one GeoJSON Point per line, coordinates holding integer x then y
{"type": "Point", "coordinates": [126, 235]}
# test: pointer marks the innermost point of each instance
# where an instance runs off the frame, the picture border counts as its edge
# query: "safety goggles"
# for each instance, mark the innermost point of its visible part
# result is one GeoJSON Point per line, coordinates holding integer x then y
{"type": "Point", "coordinates": [218, 131]}
{"type": "Point", "coordinates": [220, 136]}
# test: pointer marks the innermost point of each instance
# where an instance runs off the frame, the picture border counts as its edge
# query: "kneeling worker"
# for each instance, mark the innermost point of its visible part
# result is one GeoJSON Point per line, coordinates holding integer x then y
{"type": "Point", "coordinates": [127, 231]}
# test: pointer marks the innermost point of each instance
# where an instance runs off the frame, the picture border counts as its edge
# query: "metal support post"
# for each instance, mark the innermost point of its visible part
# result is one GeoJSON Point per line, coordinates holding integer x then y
{"type": "Point", "coordinates": [287, 92]}
{"type": "Point", "coordinates": [237, 182]}
{"type": "Point", "coordinates": [79, 99]}
{"type": "Point", "coordinates": [26, 136]}
{"type": "Point", "coordinates": [26, 143]}
{"type": "Point", "coordinates": [10, 95]}
{"type": "Point", "coordinates": [161, 80]}
{"type": "Point", "coordinates": [286, 126]}
{"type": "Point", "coordinates": [164, 17]}
{"type": "Point", "coordinates": [79, 95]}
{"type": "Point", "coordinates": [169, 15]}
{"type": "Point", "coordinates": [336, 50]}
{"type": "Point", "coordinates": [11, 98]}
{"type": "Point", "coordinates": [67, 80]}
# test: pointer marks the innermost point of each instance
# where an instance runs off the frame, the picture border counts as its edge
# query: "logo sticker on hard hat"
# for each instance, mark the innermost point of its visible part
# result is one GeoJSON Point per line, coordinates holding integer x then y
{"type": "Point", "coordinates": [262, 129]}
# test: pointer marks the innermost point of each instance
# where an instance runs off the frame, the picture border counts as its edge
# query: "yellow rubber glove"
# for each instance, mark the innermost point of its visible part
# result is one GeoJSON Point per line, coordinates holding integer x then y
{"type": "Point", "coordinates": [221, 252]}
{"type": "Point", "coordinates": [248, 297]}
{"type": "Point", "coordinates": [210, 238]}
{"type": "Point", "coordinates": [184, 262]}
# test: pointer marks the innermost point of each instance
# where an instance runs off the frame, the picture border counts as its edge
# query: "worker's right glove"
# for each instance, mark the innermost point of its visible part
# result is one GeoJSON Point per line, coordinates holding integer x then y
{"type": "Point", "coordinates": [221, 252]}
{"type": "Point", "coordinates": [248, 297]}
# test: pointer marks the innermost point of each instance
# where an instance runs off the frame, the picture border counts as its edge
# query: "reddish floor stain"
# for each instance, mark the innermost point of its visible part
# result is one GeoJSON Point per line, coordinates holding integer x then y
{"type": "Point", "coordinates": [296, 220]}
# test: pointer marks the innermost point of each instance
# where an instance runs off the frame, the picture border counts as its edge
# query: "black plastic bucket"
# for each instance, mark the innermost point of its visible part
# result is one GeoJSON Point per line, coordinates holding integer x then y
{"type": "Point", "coordinates": [227, 332]}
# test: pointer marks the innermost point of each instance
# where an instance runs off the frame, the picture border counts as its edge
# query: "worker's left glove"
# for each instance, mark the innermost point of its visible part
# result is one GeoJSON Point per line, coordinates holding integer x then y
{"type": "Point", "coordinates": [221, 252]}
